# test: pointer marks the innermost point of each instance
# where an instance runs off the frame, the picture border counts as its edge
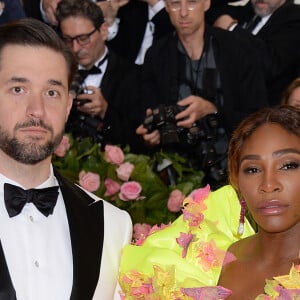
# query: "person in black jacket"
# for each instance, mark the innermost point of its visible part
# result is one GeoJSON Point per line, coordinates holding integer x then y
{"type": "Point", "coordinates": [205, 73]}
{"type": "Point", "coordinates": [137, 24]}
{"type": "Point", "coordinates": [275, 38]}
{"type": "Point", "coordinates": [108, 98]}
{"type": "Point", "coordinates": [11, 10]}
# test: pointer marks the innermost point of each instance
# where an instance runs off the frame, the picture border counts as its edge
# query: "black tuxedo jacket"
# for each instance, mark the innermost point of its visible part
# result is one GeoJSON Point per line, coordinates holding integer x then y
{"type": "Point", "coordinates": [121, 89]}
{"type": "Point", "coordinates": [242, 81]}
{"type": "Point", "coordinates": [12, 11]}
{"type": "Point", "coordinates": [277, 44]}
{"type": "Point", "coordinates": [86, 223]}
{"type": "Point", "coordinates": [32, 9]}
{"type": "Point", "coordinates": [133, 21]}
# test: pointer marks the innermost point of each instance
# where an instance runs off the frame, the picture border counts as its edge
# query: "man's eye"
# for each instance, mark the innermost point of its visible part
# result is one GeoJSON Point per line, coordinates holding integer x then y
{"type": "Point", "coordinates": [83, 38]}
{"type": "Point", "coordinates": [17, 90]}
{"type": "Point", "coordinates": [52, 93]}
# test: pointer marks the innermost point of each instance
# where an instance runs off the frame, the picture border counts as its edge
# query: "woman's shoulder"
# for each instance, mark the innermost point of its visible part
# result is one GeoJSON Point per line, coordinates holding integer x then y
{"type": "Point", "coordinates": [243, 248]}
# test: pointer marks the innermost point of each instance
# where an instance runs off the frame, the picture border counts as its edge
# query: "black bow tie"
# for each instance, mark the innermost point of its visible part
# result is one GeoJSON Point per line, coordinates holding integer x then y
{"type": "Point", "coordinates": [85, 73]}
{"type": "Point", "coordinates": [15, 198]}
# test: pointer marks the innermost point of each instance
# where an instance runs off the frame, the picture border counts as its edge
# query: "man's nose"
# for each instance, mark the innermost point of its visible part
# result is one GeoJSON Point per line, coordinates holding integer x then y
{"type": "Point", "coordinates": [35, 106]}
{"type": "Point", "coordinates": [75, 46]}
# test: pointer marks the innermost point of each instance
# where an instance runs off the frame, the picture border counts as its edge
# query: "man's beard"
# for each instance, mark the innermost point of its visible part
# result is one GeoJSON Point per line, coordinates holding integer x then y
{"type": "Point", "coordinates": [266, 11]}
{"type": "Point", "coordinates": [29, 152]}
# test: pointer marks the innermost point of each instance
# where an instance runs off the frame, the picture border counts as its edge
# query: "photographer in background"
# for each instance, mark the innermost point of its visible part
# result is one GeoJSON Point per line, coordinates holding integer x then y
{"type": "Point", "coordinates": [105, 105]}
{"type": "Point", "coordinates": [208, 79]}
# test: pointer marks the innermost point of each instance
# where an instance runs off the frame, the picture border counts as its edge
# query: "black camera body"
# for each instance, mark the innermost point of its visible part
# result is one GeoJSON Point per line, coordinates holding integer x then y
{"type": "Point", "coordinates": [163, 119]}
{"type": "Point", "coordinates": [80, 124]}
{"type": "Point", "coordinates": [204, 144]}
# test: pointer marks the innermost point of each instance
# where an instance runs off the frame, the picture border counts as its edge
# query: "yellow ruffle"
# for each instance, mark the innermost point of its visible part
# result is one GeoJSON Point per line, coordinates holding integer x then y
{"type": "Point", "coordinates": [160, 250]}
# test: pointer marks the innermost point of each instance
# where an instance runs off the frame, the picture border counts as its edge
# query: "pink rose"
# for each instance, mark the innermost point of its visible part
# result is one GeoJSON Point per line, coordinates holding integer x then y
{"type": "Point", "coordinates": [63, 147]}
{"type": "Point", "coordinates": [89, 181]}
{"type": "Point", "coordinates": [112, 187]}
{"type": "Point", "coordinates": [130, 191]}
{"type": "Point", "coordinates": [175, 201]}
{"type": "Point", "coordinates": [113, 154]}
{"type": "Point", "coordinates": [124, 171]}
{"type": "Point", "coordinates": [141, 231]}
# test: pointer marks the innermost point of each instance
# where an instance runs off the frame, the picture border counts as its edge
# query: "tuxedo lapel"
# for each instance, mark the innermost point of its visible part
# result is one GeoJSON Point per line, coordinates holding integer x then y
{"type": "Point", "coordinates": [86, 230]}
{"type": "Point", "coordinates": [7, 291]}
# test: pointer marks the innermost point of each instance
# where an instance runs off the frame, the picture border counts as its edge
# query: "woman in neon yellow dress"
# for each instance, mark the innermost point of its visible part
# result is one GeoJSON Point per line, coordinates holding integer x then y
{"type": "Point", "coordinates": [264, 165]}
{"type": "Point", "coordinates": [184, 260]}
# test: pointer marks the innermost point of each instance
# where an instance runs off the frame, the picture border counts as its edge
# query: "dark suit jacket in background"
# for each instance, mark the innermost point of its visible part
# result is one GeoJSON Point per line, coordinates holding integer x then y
{"type": "Point", "coordinates": [277, 45]}
{"type": "Point", "coordinates": [12, 11]}
{"type": "Point", "coordinates": [133, 21]}
{"type": "Point", "coordinates": [121, 89]}
{"type": "Point", "coordinates": [32, 9]}
{"type": "Point", "coordinates": [241, 78]}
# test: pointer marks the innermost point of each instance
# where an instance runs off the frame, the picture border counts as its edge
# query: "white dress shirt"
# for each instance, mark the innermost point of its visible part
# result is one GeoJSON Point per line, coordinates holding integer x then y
{"type": "Point", "coordinates": [37, 248]}
{"type": "Point", "coordinates": [150, 28]}
{"type": "Point", "coordinates": [96, 79]}
{"type": "Point", "coordinates": [261, 24]}
{"type": "Point", "coordinates": [149, 31]}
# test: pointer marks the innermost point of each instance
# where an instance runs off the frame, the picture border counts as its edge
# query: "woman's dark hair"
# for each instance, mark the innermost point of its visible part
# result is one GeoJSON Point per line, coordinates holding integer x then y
{"type": "Point", "coordinates": [286, 116]}
{"type": "Point", "coordinates": [290, 89]}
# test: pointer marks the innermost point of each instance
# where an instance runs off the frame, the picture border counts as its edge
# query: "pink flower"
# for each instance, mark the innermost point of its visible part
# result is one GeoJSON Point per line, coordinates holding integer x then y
{"type": "Point", "coordinates": [124, 171]}
{"type": "Point", "coordinates": [156, 227]}
{"type": "Point", "coordinates": [113, 154]}
{"type": "Point", "coordinates": [130, 191]}
{"type": "Point", "coordinates": [141, 231]}
{"type": "Point", "coordinates": [200, 194]}
{"type": "Point", "coordinates": [193, 219]}
{"type": "Point", "coordinates": [63, 147]}
{"type": "Point", "coordinates": [210, 255]}
{"type": "Point", "coordinates": [175, 201]}
{"type": "Point", "coordinates": [184, 241]}
{"type": "Point", "coordinates": [112, 187]}
{"type": "Point", "coordinates": [89, 181]}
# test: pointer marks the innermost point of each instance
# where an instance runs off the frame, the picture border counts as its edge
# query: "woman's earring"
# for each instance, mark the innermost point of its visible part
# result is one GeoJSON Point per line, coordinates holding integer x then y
{"type": "Point", "coordinates": [242, 216]}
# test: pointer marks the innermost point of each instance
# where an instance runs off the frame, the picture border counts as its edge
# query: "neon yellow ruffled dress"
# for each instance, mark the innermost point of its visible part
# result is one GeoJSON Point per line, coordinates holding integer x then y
{"type": "Point", "coordinates": [184, 259]}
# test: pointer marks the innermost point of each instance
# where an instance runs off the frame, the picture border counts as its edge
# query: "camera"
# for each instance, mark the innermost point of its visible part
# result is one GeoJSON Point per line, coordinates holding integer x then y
{"type": "Point", "coordinates": [163, 119]}
{"type": "Point", "coordinates": [204, 145]}
{"type": "Point", "coordinates": [80, 124]}
{"type": "Point", "coordinates": [76, 89]}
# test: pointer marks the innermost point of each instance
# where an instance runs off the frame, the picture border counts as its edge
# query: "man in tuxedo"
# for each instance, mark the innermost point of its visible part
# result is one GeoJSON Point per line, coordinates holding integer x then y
{"type": "Point", "coordinates": [135, 25]}
{"type": "Point", "coordinates": [275, 37]}
{"type": "Point", "coordinates": [110, 97]}
{"type": "Point", "coordinates": [208, 73]}
{"type": "Point", "coordinates": [57, 241]}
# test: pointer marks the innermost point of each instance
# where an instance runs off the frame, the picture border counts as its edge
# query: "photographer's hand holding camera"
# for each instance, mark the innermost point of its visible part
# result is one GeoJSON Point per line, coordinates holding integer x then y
{"type": "Point", "coordinates": [96, 104]}
{"type": "Point", "coordinates": [194, 108]}
{"type": "Point", "coordinates": [106, 86]}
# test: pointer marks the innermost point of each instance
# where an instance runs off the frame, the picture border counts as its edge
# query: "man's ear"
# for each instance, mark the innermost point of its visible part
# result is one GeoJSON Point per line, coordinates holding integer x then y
{"type": "Point", "coordinates": [104, 31]}
{"type": "Point", "coordinates": [206, 5]}
{"type": "Point", "coordinates": [69, 105]}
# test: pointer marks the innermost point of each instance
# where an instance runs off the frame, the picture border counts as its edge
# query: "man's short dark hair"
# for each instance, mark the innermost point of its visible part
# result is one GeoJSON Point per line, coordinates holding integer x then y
{"type": "Point", "coordinates": [32, 32]}
{"type": "Point", "coordinates": [83, 8]}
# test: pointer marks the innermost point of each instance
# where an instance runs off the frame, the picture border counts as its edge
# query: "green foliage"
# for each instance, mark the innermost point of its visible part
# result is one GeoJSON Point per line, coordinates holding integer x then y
{"type": "Point", "coordinates": [151, 207]}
